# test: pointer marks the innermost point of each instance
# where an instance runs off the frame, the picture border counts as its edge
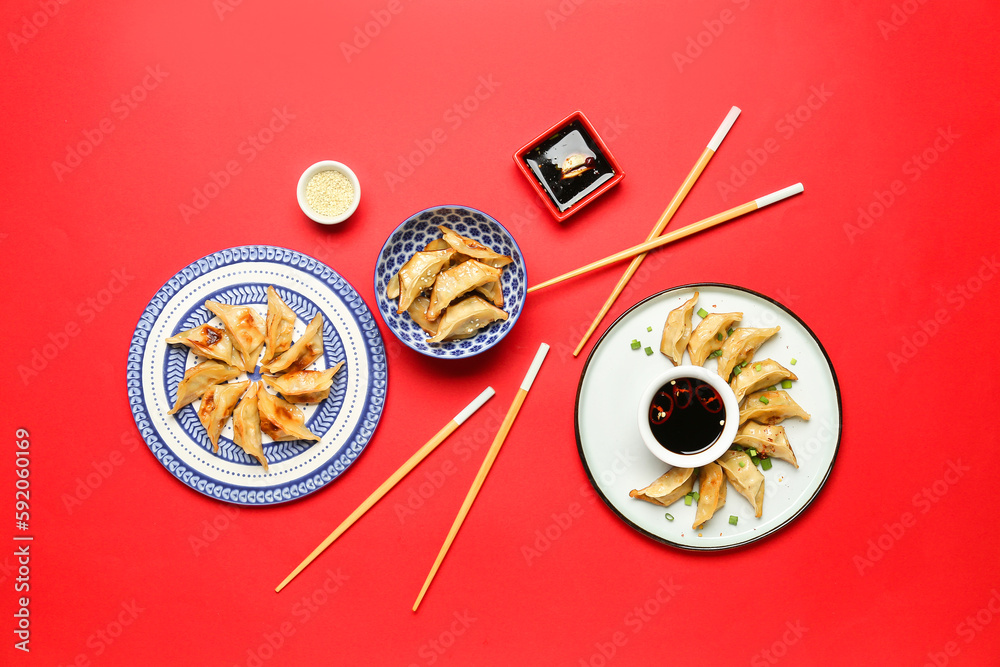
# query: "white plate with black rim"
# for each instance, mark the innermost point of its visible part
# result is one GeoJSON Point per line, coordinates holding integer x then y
{"type": "Point", "coordinates": [617, 461]}
{"type": "Point", "coordinates": [345, 421]}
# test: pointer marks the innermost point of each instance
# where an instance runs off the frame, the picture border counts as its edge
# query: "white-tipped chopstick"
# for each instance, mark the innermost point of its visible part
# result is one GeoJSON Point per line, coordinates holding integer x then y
{"type": "Point", "coordinates": [664, 220]}
{"type": "Point", "coordinates": [410, 464]}
{"type": "Point", "coordinates": [484, 469]}
{"type": "Point", "coordinates": [717, 219]}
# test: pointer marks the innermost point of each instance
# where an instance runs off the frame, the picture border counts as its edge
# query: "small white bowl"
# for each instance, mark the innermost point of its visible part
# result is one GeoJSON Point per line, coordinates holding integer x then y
{"type": "Point", "coordinates": [328, 165]}
{"type": "Point", "coordinates": [731, 411]}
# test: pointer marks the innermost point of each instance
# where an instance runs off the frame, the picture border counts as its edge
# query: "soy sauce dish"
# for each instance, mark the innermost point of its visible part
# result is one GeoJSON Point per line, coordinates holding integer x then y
{"type": "Point", "coordinates": [688, 416]}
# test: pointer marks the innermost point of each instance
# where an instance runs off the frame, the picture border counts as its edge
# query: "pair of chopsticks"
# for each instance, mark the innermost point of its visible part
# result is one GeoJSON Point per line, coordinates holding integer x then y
{"type": "Point", "coordinates": [419, 456]}
{"type": "Point", "coordinates": [654, 240]}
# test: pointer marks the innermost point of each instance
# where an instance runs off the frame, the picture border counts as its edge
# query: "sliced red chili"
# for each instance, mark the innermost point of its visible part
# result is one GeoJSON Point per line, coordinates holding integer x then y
{"type": "Point", "coordinates": [709, 398]}
{"type": "Point", "coordinates": [661, 407]}
{"type": "Point", "coordinates": [682, 393]}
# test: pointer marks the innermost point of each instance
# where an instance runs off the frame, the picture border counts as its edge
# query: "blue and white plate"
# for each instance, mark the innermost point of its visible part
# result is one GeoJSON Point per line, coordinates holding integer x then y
{"type": "Point", "coordinates": [415, 233]}
{"type": "Point", "coordinates": [345, 421]}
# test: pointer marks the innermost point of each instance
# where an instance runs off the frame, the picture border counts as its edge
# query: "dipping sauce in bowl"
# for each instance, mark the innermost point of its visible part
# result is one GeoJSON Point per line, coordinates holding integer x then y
{"type": "Point", "coordinates": [688, 416]}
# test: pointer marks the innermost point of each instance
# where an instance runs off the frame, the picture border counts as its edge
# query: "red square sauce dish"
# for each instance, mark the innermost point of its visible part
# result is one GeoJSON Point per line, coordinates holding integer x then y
{"type": "Point", "coordinates": [569, 165]}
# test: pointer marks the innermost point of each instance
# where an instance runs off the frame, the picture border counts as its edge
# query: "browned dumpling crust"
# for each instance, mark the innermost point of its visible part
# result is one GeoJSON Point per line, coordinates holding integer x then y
{"type": "Point", "coordinates": [199, 378]}
{"type": "Point", "coordinates": [305, 351]}
{"type": "Point", "coordinates": [771, 407]}
{"type": "Point", "coordinates": [465, 318]}
{"type": "Point", "coordinates": [217, 405]}
{"type": "Point", "coordinates": [741, 346]}
{"type": "Point", "coordinates": [456, 281]}
{"type": "Point", "coordinates": [668, 488]}
{"type": "Point", "coordinates": [246, 425]}
{"type": "Point", "coordinates": [279, 328]}
{"type": "Point", "coordinates": [677, 330]}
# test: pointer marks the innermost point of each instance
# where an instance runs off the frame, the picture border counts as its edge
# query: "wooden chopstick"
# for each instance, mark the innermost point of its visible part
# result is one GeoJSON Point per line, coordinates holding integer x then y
{"type": "Point", "coordinates": [484, 470]}
{"type": "Point", "coordinates": [717, 219]}
{"type": "Point", "coordinates": [664, 220]}
{"type": "Point", "coordinates": [410, 464]}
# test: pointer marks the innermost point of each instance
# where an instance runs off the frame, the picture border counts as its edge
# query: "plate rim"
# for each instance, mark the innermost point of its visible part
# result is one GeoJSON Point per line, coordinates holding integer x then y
{"type": "Point", "coordinates": [754, 538]}
{"type": "Point", "coordinates": [299, 261]}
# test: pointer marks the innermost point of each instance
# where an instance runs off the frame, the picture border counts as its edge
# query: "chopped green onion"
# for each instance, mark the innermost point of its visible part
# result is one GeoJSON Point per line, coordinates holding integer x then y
{"type": "Point", "coordinates": [719, 336]}
{"type": "Point", "coordinates": [765, 400]}
{"type": "Point", "coordinates": [717, 353]}
{"type": "Point", "coordinates": [756, 460]}
{"type": "Point", "coordinates": [772, 388]}
{"type": "Point", "coordinates": [648, 351]}
{"type": "Point", "coordinates": [752, 452]}
{"type": "Point", "coordinates": [733, 519]}
{"type": "Point", "coordinates": [669, 516]}
{"type": "Point", "coordinates": [649, 328]}
{"type": "Point", "coordinates": [737, 370]}
{"type": "Point", "coordinates": [702, 312]}
{"type": "Point", "coordinates": [786, 384]}
{"type": "Point", "coordinates": [794, 361]}
{"type": "Point", "coordinates": [729, 331]}
{"type": "Point", "coordinates": [743, 464]}
{"type": "Point", "coordinates": [687, 499]}
{"type": "Point", "coordinates": [636, 344]}
{"type": "Point", "coordinates": [695, 496]}
{"type": "Point", "coordinates": [765, 464]}
{"type": "Point", "coordinates": [744, 364]}
{"type": "Point", "coordinates": [757, 367]}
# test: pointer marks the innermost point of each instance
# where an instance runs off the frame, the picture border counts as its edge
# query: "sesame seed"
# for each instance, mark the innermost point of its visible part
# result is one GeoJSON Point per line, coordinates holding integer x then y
{"type": "Point", "coordinates": [329, 193]}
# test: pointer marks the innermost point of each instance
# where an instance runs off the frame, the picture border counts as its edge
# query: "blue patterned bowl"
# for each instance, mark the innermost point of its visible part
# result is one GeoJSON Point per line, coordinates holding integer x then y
{"type": "Point", "coordinates": [411, 236]}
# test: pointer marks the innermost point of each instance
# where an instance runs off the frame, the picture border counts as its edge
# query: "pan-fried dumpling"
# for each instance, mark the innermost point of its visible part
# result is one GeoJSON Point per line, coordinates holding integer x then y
{"type": "Point", "coordinates": [280, 327]}
{"type": "Point", "coordinates": [392, 289]}
{"type": "Point", "coordinates": [492, 291]}
{"type": "Point", "coordinates": [246, 425]}
{"type": "Point", "coordinates": [668, 488]}
{"type": "Point", "coordinates": [677, 330]}
{"type": "Point", "coordinates": [758, 375]}
{"type": "Point", "coordinates": [419, 273]}
{"type": "Point", "coordinates": [711, 493]}
{"type": "Point", "coordinates": [436, 244]}
{"type": "Point", "coordinates": [217, 406]}
{"type": "Point", "coordinates": [741, 346]}
{"type": "Point", "coordinates": [304, 386]}
{"type": "Point", "coordinates": [305, 351]}
{"type": "Point", "coordinates": [475, 249]}
{"type": "Point", "coordinates": [769, 440]}
{"type": "Point", "coordinates": [745, 478]}
{"type": "Point", "coordinates": [198, 379]}
{"type": "Point", "coordinates": [246, 326]}
{"type": "Point", "coordinates": [771, 407]}
{"type": "Point", "coordinates": [418, 313]}
{"type": "Point", "coordinates": [281, 420]}
{"type": "Point", "coordinates": [709, 335]}
{"type": "Point", "coordinates": [465, 318]}
{"type": "Point", "coordinates": [211, 342]}
{"type": "Point", "coordinates": [456, 281]}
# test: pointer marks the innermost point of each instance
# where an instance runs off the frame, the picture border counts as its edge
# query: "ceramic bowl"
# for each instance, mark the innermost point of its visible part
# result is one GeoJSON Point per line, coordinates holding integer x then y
{"type": "Point", "coordinates": [327, 165]}
{"type": "Point", "coordinates": [544, 181]}
{"type": "Point", "coordinates": [411, 236]}
{"type": "Point", "coordinates": [731, 412]}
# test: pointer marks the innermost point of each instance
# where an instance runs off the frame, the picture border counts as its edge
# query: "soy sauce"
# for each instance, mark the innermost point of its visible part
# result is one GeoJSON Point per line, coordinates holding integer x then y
{"type": "Point", "coordinates": [569, 165]}
{"type": "Point", "coordinates": [686, 415]}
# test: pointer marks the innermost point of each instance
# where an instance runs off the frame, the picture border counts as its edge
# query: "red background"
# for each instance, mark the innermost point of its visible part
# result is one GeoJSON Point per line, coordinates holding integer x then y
{"type": "Point", "coordinates": [892, 78]}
